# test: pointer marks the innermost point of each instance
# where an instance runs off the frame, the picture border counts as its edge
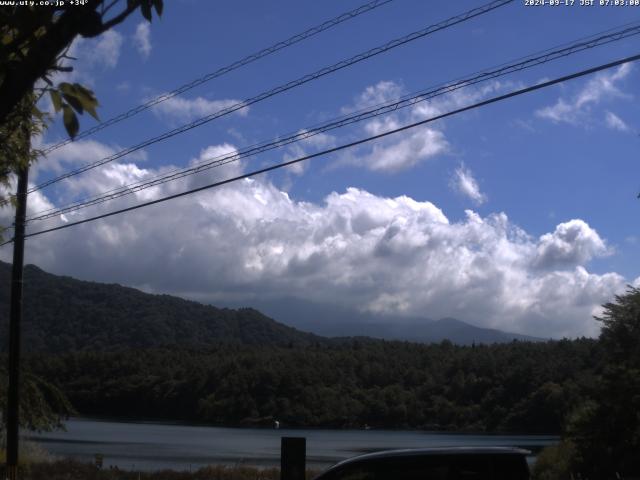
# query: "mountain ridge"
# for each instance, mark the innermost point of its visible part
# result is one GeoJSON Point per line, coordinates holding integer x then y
{"type": "Point", "coordinates": [65, 314]}
{"type": "Point", "coordinates": [333, 320]}
{"type": "Point", "coordinates": [62, 313]}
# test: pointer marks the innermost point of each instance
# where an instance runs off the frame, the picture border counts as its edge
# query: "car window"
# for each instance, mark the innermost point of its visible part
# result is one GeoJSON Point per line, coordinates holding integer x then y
{"type": "Point", "coordinates": [469, 467]}
{"type": "Point", "coordinates": [448, 467]}
{"type": "Point", "coordinates": [510, 467]}
{"type": "Point", "coordinates": [435, 468]}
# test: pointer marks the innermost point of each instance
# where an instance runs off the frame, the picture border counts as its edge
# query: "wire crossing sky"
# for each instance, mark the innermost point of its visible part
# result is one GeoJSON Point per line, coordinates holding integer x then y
{"type": "Point", "coordinates": [463, 17]}
{"type": "Point", "coordinates": [226, 69]}
{"type": "Point", "coordinates": [308, 132]}
{"type": "Point", "coordinates": [345, 146]}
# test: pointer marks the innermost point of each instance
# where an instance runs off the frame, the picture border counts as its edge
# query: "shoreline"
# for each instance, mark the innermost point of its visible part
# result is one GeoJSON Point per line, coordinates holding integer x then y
{"type": "Point", "coordinates": [179, 423]}
{"type": "Point", "coordinates": [150, 446]}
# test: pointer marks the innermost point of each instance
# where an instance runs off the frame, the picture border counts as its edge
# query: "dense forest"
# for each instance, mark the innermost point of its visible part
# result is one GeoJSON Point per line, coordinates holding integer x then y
{"type": "Point", "coordinates": [527, 387]}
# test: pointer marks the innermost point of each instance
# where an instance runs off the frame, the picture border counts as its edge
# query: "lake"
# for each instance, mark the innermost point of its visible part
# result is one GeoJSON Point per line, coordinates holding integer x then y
{"type": "Point", "coordinates": [155, 446]}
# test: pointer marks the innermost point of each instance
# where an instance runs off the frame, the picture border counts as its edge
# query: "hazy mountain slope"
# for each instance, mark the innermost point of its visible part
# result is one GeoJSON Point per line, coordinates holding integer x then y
{"type": "Point", "coordinates": [65, 314]}
{"type": "Point", "coordinates": [465, 333]}
{"type": "Point", "coordinates": [334, 321]}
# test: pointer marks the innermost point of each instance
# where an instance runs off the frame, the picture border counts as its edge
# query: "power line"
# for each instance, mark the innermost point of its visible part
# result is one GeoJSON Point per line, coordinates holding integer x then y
{"type": "Point", "coordinates": [283, 88]}
{"type": "Point", "coordinates": [224, 70]}
{"type": "Point", "coordinates": [374, 111]}
{"type": "Point", "coordinates": [336, 123]}
{"type": "Point", "coordinates": [345, 146]}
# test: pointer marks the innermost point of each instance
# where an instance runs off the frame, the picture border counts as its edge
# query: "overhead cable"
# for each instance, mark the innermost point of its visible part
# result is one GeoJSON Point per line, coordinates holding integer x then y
{"type": "Point", "coordinates": [282, 88]}
{"type": "Point", "coordinates": [374, 111]}
{"type": "Point", "coordinates": [483, 103]}
{"type": "Point", "coordinates": [224, 70]}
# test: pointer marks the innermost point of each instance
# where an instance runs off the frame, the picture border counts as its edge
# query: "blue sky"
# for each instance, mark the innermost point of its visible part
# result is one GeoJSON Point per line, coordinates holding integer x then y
{"type": "Point", "coordinates": [521, 215]}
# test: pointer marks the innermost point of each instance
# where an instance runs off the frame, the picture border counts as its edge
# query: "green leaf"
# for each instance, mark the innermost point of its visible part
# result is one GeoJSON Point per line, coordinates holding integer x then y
{"type": "Point", "coordinates": [65, 87]}
{"type": "Point", "coordinates": [87, 98]}
{"type": "Point", "coordinates": [70, 120]}
{"type": "Point", "coordinates": [40, 116]}
{"type": "Point", "coordinates": [145, 9]}
{"type": "Point", "coordinates": [159, 5]}
{"type": "Point", "coordinates": [74, 101]}
{"type": "Point", "coordinates": [56, 99]}
{"type": "Point", "coordinates": [84, 92]}
{"type": "Point", "coordinates": [79, 98]}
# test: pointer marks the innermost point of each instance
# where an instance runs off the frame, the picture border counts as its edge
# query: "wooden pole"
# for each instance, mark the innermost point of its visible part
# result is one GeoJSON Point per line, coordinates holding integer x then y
{"type": "Point", "coordinates": [15, 319]}
{"type": "Point", "coordinates": [293, 458]}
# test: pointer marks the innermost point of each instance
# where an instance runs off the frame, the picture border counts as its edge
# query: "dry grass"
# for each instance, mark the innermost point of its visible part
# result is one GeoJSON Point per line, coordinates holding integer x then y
{"type": "Point", "coordinates": [74, 470]}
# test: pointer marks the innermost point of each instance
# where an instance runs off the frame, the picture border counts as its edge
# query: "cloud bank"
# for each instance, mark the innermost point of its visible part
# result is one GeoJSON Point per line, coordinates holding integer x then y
{"type": "Point", "coordinates": [250, 240]}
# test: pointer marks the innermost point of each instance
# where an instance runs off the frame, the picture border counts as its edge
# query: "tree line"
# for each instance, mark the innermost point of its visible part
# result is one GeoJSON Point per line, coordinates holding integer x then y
{"type": "Point", "coordinates": [517, 387]}
{"type": "Point", "coordinates": [588, 390]}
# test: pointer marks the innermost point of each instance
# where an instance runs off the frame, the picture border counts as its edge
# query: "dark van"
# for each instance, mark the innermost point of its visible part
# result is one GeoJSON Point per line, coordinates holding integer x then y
{"type": "Point", "coordinates": [494, 463]}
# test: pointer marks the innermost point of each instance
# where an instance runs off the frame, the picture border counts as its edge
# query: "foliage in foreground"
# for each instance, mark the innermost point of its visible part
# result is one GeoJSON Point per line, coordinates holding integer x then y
{"type": "Point", "coordinates": [35, 41]}
{"type": "Point", "coordinates": [74, 470]}
{"type": "Point", "coordinates": [43, 406]}
{"type": "Point", "coordinates": [34, 44]}
{"type": "Point", "coordinates": [602, 434]}
{"type": "Point", "coordinates": [554, 462]}
{"type": "Point", "coordinates": [30, 453]}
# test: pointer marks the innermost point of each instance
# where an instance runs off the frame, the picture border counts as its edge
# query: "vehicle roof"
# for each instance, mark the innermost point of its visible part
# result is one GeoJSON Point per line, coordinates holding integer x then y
{"type": "Point", "coordinates": [418, 452]}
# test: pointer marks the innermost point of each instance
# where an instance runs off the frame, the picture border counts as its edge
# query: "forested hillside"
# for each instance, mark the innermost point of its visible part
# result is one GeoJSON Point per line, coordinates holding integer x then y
{"type": "Point", "coordinates": [119, 352]}
{"type": "Point", "coordinates": [64, 314]}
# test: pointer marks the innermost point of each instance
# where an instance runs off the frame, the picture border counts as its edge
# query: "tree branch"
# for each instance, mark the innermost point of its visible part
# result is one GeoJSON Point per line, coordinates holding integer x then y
{"type": "Point", "coordinates": [120, 17]}
{"type": "Point", "coordinates": [108, 7]}
{"type": "Point", "coordinates": [42, 55]}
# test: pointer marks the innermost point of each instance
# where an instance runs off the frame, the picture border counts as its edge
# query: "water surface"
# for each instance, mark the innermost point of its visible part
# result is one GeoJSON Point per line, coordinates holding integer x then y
{"type": "Point", "coordinates": [155, 446]}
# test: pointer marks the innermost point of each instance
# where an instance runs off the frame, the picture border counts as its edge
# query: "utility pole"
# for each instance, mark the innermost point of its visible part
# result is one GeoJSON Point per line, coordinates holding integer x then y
{"type": "Point", "coordinates": [13, 397]}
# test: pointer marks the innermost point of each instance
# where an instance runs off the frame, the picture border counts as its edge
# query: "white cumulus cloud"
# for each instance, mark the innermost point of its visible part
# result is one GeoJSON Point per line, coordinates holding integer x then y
{"type": "Point", "coordinates": [250, 240]}
{"type": "Point", "coordinates": [374, 95]}
{"type": "Point", "coordinates": [307, 145]}
{"type": "Point", "coordinates": [180, 109]}
{"type": "Point", "coordinates": [614, 122]}
{"type": "Point", "coordinates": [142, 39]}
{"type": "Point", "coordinates": [464, 183]}
{"type": "Point", "coordinates": [575, 110]}
{"type": "Point", "coordinates": [107, 49]}
{"type": "Point", "coordinates": [401, 151]}
{"type": "Point", "coordinates": [399, 154]}
{"type": "Point", "coordinates": [92, 56]}
{"type": "Point", "coordinates": [405, 150]}
{"type": "Point", "coordinates": [572, 243]}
